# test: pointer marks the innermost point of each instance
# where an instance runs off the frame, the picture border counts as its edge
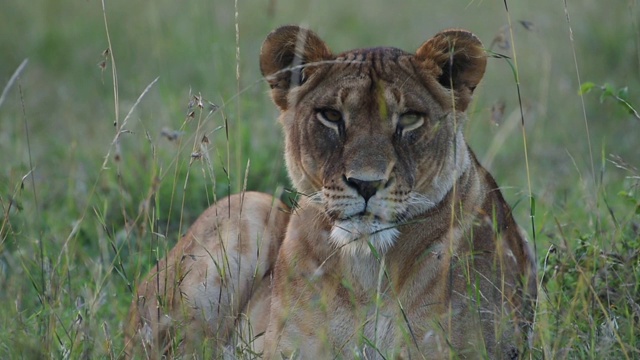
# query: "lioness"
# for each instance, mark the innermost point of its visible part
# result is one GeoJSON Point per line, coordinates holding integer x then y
{"type": "Point", "coordinates": [401, 245]}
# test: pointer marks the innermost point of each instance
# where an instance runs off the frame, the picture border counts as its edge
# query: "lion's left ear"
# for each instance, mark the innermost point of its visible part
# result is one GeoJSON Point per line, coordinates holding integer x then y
{"type": "Point", "coordinates": [457, 60]}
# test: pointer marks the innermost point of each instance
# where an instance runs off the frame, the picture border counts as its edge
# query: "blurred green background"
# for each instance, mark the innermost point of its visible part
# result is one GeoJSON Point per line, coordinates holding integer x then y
{"type": "Point", "coordinates": [74, 235]}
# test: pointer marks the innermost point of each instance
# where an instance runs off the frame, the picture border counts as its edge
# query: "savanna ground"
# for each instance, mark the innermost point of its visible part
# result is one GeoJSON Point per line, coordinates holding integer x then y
{"type": "Point", "coordinates": [86, 207]}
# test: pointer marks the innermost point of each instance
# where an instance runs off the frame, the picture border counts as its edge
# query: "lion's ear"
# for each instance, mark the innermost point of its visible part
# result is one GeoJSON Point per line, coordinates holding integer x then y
{"type": "Point", "coordinates": [457, 60]}
{"type": "Point", "coordinates": [287, 57]}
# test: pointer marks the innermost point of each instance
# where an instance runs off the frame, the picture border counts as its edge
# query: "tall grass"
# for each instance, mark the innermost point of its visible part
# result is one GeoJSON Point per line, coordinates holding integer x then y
{"type": "Point", "coordinates": [87, 207]}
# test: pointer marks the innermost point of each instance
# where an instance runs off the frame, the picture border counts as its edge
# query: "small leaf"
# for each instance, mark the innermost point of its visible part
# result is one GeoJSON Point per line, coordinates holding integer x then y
{"type": "Point", "coordinates": [628, 197]}
{"type": "Point", "coordinates": [623, 93]}
{"type": "Point", "coordinates": [608, 90]}
{"type": "Point", "coordinates": [586, 87]}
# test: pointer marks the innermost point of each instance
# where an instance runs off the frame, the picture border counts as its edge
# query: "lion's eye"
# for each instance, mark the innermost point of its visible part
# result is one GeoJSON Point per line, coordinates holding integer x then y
{"type": "Point", "coordinates": [410, 120]}
{"type": "Point", "coordinates": [331, 118]}
{"type": "Point", "coordinates": [330, 115]}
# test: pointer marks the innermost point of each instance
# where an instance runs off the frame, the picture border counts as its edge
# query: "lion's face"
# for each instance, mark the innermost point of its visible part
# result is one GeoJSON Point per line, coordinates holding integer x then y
{"type": "Point", "coordinates": [374, 136]}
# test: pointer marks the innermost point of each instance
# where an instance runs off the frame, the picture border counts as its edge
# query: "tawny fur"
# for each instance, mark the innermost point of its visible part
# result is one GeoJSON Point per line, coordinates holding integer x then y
{"type": "Point", "coordinates": [401, 245]}
{"type": "Point", "coordinates": [216, 272]}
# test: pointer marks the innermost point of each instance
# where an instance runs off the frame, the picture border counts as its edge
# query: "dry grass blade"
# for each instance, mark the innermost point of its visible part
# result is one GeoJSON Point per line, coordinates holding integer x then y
{"type": "Point", "coordinates": [584, 108]}
{"type": "Point", "coordinates": [121, 129]}
{"type": "Point", "coordinates": [12, 80]}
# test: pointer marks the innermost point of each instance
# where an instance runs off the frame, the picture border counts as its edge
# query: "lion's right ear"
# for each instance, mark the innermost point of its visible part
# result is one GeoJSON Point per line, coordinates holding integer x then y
{"type": "Point", "coordinates": [287, 57]}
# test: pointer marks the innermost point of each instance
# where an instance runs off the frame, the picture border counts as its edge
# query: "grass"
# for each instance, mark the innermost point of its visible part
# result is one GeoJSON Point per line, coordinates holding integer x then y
{"type": "Point", "coordinates": [82, 216]}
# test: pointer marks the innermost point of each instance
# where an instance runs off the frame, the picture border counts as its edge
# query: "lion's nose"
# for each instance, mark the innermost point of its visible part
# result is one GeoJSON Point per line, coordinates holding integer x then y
{"type": "Point", "coordinates": [365, 188]}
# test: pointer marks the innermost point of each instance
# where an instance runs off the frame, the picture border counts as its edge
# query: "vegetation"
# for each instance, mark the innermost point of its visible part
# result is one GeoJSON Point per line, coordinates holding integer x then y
{"type": "Point", "coordinates": [127, 121]}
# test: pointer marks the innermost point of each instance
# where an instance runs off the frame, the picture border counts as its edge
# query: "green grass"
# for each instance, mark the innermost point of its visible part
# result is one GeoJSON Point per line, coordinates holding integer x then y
{"type": "Point", "coordinates": [75, 236]}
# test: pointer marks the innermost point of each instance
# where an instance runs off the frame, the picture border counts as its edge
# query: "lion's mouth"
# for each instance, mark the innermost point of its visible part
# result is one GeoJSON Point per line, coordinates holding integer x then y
{"type": "Point", "coordinates": [362, 217]}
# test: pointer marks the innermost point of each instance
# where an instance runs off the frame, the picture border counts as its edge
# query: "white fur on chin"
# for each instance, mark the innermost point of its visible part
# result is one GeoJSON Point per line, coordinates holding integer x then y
{"type": "Point", "coordinates": [354, 236]}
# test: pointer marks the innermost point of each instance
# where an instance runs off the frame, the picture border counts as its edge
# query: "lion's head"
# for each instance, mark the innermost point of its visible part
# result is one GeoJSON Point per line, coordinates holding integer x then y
{"type": "Point", "coordinates": [374, 136]}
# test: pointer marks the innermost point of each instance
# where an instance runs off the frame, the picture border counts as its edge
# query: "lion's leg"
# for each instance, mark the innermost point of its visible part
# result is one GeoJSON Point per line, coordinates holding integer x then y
{"type": "Point", "coordinates": [303, 302]}
{"type": "Point", "coordinates": [486, 306]}
{"type": "Point", "coordinates": [197, 293]}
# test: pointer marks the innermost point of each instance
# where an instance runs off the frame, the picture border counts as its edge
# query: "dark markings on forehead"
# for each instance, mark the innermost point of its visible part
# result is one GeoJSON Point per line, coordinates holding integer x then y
{"type": "Point", "coordinates": [386, 53]}
{"type": "Point", "coordinates": [373, 61]}
{"type": "Point", "coordinates": [343, 95]}
{"type": "Point", "coordinates": [378, 65]}
{"type": "Point", "coordinates": [396, 94]}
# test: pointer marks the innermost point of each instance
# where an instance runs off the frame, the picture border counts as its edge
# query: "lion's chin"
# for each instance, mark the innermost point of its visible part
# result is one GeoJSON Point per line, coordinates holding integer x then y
{"type": "Point", "coordinates": [358, 236]}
